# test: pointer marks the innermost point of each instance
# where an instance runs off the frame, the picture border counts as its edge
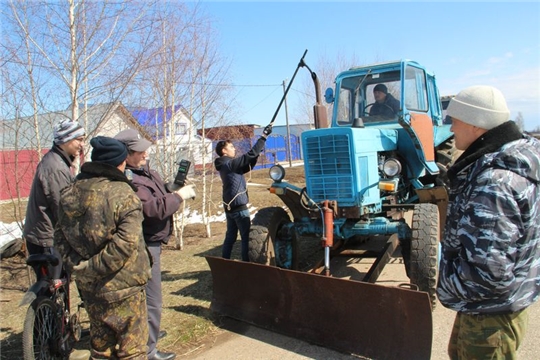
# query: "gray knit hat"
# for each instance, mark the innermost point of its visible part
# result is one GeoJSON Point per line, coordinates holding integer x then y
{"type": "Point", "coordinates": [67, 130]}
{"type": "Point", "coordinates": [481, 106]}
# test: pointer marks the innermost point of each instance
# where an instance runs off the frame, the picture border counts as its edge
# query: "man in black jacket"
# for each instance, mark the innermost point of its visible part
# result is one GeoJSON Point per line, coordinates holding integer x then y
{"type": "Point", "coordinates": [53, 173]}
{"type": "Point", "coordinates": [235, 194]}
{"type": "Point", "coordinates": [159, 206]}
{"type": "Point", "coordinates": [385, 104]}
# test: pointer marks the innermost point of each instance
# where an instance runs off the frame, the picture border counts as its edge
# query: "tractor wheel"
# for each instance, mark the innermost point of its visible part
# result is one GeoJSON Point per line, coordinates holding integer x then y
{"type": "Point", "coordinates": [446, 154]}
{"type": "Point", "coordinates": [264, 245]}
{"type": "Point", "coordinates": [11, 248]}
{"type": "Point", "coordinates": [421, 259]}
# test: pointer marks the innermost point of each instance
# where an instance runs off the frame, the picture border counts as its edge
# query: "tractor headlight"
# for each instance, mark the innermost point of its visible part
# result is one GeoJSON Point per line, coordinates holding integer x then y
{"type": "Point", "coordinates": [391, 167]}
{"type": "Point", "coordinates": [277, 173]}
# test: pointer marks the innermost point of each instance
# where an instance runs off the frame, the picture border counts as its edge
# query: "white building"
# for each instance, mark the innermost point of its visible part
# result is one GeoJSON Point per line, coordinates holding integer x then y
{"type": "Point", "coordinates": [175, 138]}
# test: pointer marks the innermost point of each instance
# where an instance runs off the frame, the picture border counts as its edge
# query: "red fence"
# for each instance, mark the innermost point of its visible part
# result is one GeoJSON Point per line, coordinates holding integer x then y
{"type": "Point", "coordinates": [17, 169]}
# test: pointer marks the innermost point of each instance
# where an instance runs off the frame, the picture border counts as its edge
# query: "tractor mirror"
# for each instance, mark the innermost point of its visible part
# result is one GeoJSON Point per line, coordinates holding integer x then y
{"type": "Point", "coordinates": [329, 95]}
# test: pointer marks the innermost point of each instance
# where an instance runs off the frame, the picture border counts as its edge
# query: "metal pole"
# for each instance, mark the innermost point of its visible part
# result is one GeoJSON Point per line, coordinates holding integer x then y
{"type": "Point", "coordinates": [288, 131]}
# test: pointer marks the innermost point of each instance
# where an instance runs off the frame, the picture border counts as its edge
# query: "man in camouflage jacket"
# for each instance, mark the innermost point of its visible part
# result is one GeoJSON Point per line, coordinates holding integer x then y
{"type": "Point", "coordinates": [99, 235]}
{"type": "Point", "coordinates": [158, 206]}
{"type": "Point", "coordinates": [489, 271]}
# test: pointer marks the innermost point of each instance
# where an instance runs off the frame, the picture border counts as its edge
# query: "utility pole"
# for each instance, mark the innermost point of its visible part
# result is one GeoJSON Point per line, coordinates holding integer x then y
{"type": "Point", "coordinates": [288, 131]}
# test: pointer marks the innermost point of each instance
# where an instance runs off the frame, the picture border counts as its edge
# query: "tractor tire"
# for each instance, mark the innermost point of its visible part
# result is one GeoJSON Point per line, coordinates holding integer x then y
{"type": "Point", "coordinates": [445, 155]}
{"type": "Point", "coordinates": [421, 259]}
{"type": "Point", "coordinates": [264, 231]}
{"type": "Point", "coordinates": [11, 248]}
{"type": "Point", "coordinates": [261, 249]}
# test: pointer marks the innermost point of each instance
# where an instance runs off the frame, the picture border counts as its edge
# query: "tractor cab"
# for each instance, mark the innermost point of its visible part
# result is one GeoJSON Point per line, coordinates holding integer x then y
{"type": "Point", "coordinates": [407, 87]}
{"type": "Point", "coordinates": [410, 103]}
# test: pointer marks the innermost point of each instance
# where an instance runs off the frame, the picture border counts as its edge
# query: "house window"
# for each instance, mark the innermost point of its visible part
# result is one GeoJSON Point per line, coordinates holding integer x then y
{"type": "Point", "coordinates": [181, 129]}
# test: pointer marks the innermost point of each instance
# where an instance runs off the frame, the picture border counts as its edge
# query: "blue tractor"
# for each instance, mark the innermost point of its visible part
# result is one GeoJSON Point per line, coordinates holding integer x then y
{"type": "Point", "coordinates": [376, 171]}
{"type": "Point", "coordinates": [367, 174]}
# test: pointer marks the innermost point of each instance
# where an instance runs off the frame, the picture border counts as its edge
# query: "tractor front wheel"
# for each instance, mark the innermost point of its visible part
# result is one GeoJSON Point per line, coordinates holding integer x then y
{"type": "Point", "coordinates": [266, 243]}
{"type": "Point", "coordinates": [421, 254]}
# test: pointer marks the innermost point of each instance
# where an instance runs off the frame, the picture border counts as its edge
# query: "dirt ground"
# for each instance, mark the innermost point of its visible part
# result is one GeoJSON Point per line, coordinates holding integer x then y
{"type": "Point", "coordinates": [193, 331]}
{"type": "Point", "coordinates": [187, 287]}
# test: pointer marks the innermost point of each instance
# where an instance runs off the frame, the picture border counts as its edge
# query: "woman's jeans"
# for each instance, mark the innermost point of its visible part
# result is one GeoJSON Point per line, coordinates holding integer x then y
{"type": "Point", "coordinates": [237, 221]}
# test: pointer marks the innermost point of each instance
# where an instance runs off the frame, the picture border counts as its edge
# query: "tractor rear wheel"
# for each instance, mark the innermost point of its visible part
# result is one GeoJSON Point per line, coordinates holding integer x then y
{"type": "Point", "coordinates": [421, 259]}
{"type": "Point", "coordinates": [265, 246]}
{"type": "Point", "coordinates": [446, 154]}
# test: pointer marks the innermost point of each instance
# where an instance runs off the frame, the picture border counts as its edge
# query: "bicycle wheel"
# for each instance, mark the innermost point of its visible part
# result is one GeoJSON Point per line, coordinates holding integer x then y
{"type": "Point", "coordinates": [41, 333]}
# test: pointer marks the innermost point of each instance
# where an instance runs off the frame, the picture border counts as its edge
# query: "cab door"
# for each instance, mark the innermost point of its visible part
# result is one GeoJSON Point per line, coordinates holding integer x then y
{"type": "Point", "coordinates": [417, 120]}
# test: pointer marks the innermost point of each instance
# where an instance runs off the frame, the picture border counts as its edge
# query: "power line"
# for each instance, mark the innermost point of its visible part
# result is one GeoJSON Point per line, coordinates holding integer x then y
{"type": "Point", "coordinates": [49, 67]}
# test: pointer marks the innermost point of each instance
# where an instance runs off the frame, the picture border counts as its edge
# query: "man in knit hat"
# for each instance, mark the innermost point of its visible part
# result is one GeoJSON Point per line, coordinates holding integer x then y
{"type": "Point", "coordinates": [385, 105]}
{"type": "Point", "coordinates": [489, 271]}
{"type": "Point", "coordinates": [53, 173]}
{"type": "Point", "coordinates": [99, 234]}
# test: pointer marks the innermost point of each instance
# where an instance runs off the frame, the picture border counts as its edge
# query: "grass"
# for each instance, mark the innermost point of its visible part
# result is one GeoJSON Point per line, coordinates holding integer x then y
{"type": "Point", "coordinates": [12, 210]}
{"type": "Point", "coordinates": [186, 278]}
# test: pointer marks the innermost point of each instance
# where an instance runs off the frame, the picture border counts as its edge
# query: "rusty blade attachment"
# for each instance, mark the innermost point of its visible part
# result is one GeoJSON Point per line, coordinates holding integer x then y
{"type": "Point", "coordinates": [354, 317]}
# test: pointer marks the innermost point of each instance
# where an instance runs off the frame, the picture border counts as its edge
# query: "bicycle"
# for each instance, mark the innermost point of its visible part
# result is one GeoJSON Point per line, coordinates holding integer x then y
{"type": "Point", "coordinates": [50, 330]}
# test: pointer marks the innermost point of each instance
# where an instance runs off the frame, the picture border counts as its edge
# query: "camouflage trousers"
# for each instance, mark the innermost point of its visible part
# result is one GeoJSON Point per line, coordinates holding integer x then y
{"type": "Point", "coordinates": [479, 337]}
{"type": "Point", "coordinates": [119, 330]}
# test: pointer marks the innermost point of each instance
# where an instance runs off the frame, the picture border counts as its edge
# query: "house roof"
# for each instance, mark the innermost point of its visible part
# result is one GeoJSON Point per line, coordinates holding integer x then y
{"type": "Point", "coordinates": [149, 118]}
{"type": "Point", "coordinates": [20, 133]}
{"type": "Point", "coordinates": [232, 132]}
{"type": "Point", "coordinates": [281, 130]}
{"type": "Point", "coordinates": [153, 119]}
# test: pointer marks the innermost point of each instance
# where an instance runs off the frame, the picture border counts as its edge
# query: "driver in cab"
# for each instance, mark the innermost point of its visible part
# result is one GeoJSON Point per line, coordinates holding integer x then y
{"type": "Point", "coordinates": [385, 104]}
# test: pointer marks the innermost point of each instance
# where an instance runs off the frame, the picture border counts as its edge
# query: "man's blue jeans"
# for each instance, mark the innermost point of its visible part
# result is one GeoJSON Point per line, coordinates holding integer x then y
{"type": "Point", "coordinates": [237, 221]}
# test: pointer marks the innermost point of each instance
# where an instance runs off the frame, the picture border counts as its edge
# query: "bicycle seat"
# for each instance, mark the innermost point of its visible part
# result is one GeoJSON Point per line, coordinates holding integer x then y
{"type": "Point", "coordinates": [36, 259]}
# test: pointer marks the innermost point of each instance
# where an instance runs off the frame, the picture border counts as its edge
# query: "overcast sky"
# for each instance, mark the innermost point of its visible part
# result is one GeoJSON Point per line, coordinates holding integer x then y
{"type": "Point", "coordinates": [463, 43]}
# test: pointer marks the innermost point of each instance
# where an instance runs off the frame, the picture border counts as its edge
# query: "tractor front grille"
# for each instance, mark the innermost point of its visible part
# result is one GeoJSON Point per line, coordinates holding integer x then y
{"type": "Point", "coordinates": [328, 166]}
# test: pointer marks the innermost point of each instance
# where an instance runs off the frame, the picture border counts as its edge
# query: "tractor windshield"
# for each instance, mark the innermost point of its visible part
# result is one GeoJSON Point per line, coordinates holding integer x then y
{"type": "Point", "coordinates": [373, 99]}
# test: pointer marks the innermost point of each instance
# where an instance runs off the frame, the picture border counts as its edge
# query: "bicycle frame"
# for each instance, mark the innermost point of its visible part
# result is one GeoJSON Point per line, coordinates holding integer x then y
{"type": "Point", "coordinates": [45, 285]}
{"type": "Point", "coordinates": [49, 296]}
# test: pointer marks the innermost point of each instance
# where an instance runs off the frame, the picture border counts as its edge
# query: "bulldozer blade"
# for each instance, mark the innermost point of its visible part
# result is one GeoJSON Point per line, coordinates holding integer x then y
{"type": "Point", "coordinates": [354, 317]}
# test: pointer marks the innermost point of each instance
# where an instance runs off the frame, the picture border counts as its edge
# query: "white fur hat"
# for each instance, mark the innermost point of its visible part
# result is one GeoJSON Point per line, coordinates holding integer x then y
{"type": "Point", "coordinates": [482, 106]}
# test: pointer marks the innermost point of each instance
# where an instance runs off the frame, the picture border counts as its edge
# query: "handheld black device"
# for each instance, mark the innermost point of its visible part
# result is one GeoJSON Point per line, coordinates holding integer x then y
{"type": "Point", "coordinates": [181, 175]}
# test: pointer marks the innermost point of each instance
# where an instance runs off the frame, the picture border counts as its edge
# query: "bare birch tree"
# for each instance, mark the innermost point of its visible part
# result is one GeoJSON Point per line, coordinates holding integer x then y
{"type": "Point", "coordinates": [214, 108]}
{"type": "Point", "coordinates": [184, 81]}
{"type": "Point", "coordinates": [62, 57]}
{"type": "Point", "coordinates": [57, 56]}
{"type": "Point", "coordinates": [89, 51]}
